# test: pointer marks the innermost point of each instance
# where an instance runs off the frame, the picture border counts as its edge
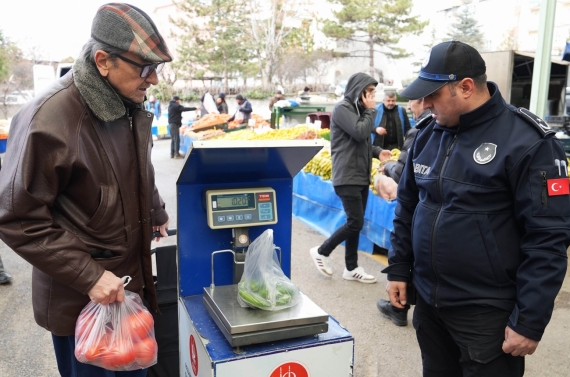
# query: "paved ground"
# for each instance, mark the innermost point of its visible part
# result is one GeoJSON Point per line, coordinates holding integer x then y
{"type": "Point", "coordinates": [381, 349]}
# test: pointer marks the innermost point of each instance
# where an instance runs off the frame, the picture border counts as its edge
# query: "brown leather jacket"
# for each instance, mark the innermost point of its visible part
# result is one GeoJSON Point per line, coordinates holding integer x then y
{"type": "Point", "coordinates": [72, 183]}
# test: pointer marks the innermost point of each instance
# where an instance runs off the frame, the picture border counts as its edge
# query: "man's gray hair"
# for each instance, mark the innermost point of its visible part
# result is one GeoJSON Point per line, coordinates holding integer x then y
{"type": "Point", "coordinates": [389, 94]}
{"type": "Point", "coordinates": [92, 46]}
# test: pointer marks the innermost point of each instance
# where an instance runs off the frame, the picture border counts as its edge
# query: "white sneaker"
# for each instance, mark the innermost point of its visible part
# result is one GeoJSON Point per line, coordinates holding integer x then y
{"type": "Point", "coordinates": [358, 274]}
{"type": "Point", "coordinates": [322, 262]}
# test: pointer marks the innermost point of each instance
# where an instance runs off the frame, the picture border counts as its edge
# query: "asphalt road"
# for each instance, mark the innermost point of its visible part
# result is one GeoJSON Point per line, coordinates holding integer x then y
{"type": "Point", "coordinates": [381, 349]}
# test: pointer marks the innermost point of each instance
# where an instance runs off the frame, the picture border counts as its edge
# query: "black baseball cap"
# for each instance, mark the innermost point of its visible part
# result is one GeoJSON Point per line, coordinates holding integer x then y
{"type": "Point", "coordinates": [175, 98]}
{"type": "Point", "coordinates": [446, 62]}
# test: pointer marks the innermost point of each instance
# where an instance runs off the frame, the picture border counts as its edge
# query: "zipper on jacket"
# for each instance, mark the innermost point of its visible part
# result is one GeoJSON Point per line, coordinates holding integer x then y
{"type": "Point", "coordinates": [437, 218]}
{"type": "Point", "coordinates": [544, 189]}
{"type": "Point", "coordinates": [131, 122]}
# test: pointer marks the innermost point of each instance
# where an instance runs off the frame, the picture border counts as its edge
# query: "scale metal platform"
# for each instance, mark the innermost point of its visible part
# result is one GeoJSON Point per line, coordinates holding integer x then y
{"type": "Point", "coordinates": [245, 326]}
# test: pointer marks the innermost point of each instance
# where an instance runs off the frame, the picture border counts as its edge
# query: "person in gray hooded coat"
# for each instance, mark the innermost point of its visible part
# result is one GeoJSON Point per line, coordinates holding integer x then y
{"type": "Point", "coordinates": [352, 122]}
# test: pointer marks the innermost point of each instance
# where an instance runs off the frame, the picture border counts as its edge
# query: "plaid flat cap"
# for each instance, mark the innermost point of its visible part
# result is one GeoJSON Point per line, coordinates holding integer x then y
{"type": "Point", "coordinates": [128, 28]}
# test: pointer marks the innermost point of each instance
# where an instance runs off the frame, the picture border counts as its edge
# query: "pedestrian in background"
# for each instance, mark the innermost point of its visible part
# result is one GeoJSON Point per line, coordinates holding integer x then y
{"type": "Point", "coordinates": [244, 110]}
{"type": "Point", "coordinates": [79, 201]}
{"type": "Point", "coordinates": [351, 150]}
{"type": "Point", "coordinates": [276, 98]}
{"type": "Point", "coordinates": [393, 169]}
{"type": "Point", "coordinates": [175, 110]}
{"type": "Point", "coordinates": [153, 105]}
{"type": "Point", "coordinates": [482, 222]}
{"type": "Point", "coordinates": [221, 103]}
{"type": "Point", "coordinates": [391, 124]}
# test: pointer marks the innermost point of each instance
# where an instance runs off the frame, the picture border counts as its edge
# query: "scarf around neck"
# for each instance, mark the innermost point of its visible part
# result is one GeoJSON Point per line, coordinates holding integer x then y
{"type": "Point", "coordinates": [100, 96]}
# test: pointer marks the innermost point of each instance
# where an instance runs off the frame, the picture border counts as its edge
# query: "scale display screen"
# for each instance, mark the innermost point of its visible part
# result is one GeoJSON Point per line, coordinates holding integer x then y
{"type": "Point", "coordinates": [237, 201]}
{"type": "Point", "coordinates": [236, 208]}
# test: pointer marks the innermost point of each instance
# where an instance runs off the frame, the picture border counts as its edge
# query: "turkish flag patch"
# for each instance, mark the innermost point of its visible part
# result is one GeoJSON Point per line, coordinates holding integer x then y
{"type": "Point", "coordinates": [559, 186]}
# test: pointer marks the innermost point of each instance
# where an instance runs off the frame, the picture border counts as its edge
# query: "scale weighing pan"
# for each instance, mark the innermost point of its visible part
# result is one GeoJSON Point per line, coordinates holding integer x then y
{"type": "Point", "coordinates": [245, 326]}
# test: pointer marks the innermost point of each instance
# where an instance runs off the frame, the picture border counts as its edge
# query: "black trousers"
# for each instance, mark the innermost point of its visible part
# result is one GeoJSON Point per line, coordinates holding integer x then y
{"type": "Point", "coordinates": [464, 341]}
{"type": "Point", "coordinates": [175, 138]}
{"type": "Point", "coordinates": [353, 200]}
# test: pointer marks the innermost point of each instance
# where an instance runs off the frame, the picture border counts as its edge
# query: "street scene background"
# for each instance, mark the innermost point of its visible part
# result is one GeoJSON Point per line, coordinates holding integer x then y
{"type": "Point", "coordinates": [381, 348]}
{"type": "Point", "coordinates": [307, 49]}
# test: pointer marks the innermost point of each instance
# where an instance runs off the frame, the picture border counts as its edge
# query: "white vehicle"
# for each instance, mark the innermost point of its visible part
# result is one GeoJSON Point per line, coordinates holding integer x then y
{"type": "Point", "coordinates": [17, 98]}
{"type": "Point", "coordinates": [45, 74]}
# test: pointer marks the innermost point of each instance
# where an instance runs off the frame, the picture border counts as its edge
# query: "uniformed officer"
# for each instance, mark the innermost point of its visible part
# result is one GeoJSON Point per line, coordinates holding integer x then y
{"type": "Point", "coordinates": [482, 222]}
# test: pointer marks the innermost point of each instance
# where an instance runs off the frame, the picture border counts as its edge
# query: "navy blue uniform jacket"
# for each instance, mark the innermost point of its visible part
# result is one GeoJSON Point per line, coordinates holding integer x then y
{"type": "Point", "coordinates": [474, 229]}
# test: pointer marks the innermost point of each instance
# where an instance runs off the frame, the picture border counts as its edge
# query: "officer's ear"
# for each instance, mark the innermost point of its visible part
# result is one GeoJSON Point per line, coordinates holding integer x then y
{"type": "Point", "coordinates": [466, 87]}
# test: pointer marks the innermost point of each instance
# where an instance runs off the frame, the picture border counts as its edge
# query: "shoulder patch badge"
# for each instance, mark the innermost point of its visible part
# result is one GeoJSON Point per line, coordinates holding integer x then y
{"type": "Point", "coordinates": [533, 119]}
{"type": "Point", "coordinates": [485, 153]}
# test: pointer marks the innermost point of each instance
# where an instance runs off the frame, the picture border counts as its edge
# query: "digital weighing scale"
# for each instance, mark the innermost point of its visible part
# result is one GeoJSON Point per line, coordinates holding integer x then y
{"type": "Point", "coordinates": [229, 192]}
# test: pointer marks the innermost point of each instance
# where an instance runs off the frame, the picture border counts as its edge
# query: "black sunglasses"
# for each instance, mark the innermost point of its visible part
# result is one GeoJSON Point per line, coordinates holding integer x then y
{"type": "Point", "coordinates": [146, 69]}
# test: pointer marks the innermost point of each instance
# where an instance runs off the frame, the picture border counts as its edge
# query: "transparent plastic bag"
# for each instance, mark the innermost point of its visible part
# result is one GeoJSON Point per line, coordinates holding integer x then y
{"type": "Point", "coordinates": [263, 284]}
{"type": "Point", "coordinates": [118, 336]}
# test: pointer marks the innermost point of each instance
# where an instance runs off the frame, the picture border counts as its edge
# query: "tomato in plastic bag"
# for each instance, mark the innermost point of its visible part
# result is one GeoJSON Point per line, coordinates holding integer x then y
{"type": "Point", "coordinates": [118, 336]}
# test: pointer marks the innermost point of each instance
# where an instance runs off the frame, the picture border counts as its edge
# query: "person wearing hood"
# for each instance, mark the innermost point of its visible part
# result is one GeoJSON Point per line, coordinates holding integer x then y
{"type": "Point", "coordinates": [351, 126]}
{"type": "Point", "coordinates": [221, 103]}
{"type": "Point", "coordinates": [244, 110]}
{"type": "Point", "coordinates": [175, 110]}
{"type": "Point", "coordinates": [79, 200]}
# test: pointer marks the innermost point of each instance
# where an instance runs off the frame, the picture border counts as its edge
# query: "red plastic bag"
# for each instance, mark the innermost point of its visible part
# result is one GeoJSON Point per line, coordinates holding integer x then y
{"type": "Point", "coordinates": [118, 336]}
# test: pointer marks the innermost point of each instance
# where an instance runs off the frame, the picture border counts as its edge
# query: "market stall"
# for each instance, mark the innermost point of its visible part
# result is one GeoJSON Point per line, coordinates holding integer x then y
{"type": "Point", "coordinates": [230, 193]}
{"type": "Point", "coordinates": [314, 200]}
{"type": "Point", "coordinates": [289, 116]}
{"type": "Point", "coordinates": [316, 204]}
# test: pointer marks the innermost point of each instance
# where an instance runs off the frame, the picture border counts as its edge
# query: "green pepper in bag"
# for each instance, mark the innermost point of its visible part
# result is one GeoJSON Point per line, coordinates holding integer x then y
{"type": "Point", "coordinates": [263, 284]}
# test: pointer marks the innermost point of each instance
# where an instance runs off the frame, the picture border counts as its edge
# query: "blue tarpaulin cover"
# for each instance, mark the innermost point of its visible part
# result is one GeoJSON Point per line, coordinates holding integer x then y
{"type": "Point", "coordinates": [317, 205]}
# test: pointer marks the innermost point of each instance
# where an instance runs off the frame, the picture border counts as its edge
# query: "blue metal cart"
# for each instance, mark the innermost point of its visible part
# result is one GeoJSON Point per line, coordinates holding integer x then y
{"type": "Point", "coordinates": [228, 193]}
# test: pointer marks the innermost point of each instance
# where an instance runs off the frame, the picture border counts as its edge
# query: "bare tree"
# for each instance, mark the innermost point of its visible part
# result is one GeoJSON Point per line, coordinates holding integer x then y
{"type": "Point", "coordinates": [321, 62]}
{"type": "Point", "coordinates": [270, 22]}
{"type": "Point", "coordinates": [15, 75]}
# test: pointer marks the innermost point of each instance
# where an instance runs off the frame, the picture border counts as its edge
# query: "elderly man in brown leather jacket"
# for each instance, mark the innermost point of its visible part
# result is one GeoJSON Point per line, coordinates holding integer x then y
{"type": "Point", "coordinates": [77, 193]}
